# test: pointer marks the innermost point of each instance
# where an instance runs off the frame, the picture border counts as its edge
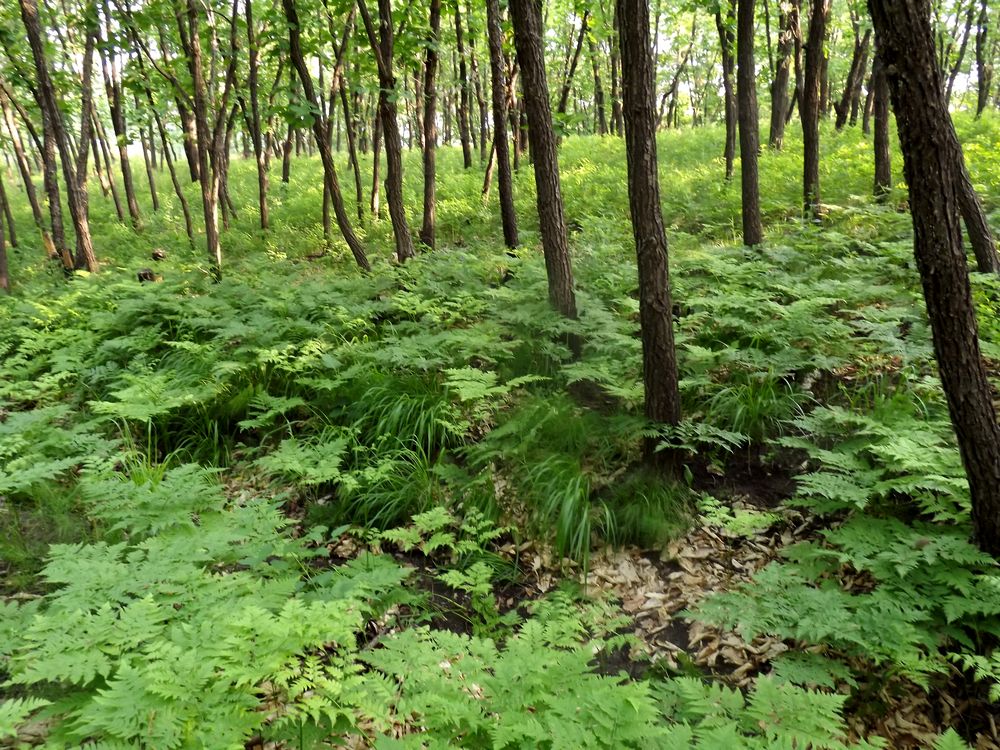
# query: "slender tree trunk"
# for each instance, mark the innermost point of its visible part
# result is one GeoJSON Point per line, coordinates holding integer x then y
{"type": "Point", "coordinates": [7, 214]}
{"type": "Point", "coordinates": [746, 88]}
{"type": "Point", "coordinates": [788, 24]}
{"type": "Point", "coordinates": [880, 114]}
{"type": "Point", "coordinates": [375, 204]}
{"type": "Point", "coordinates": [208, 183]}
{"type": "Point", "coordinates": [56, 137]}
{"type": "Point", "coordinates": [148, 160]}
{"type": "Point", "coordinates": [567, 84]}
{"type": "Point", "coordinates": [477, 87]}
{"type": "Point", "coordinates": [501, 143]}
{"type": "Point", "coordinates": [727, 43]}
{"type": "Point", "coordinates": [984, 63]}
{"type": "Point", "coordinates": [112, 84]}
{"type": "Point", "coordinates": [659, 359]}
{"type": "Point", "coordinates": [616, 101]}
{"type": "Point", "coordinates": [930, 157]}
{"type": "Point", "coordinates": [255, 134]}
{"type": "Point", "coordinates": [528, 39]}
{"type": "Point", "coordinates": [321, 132]}
{"type": "Point", "coordinates": [957, 67]}
{"type": "Point", "coordinates": [102, 140]}
{"type": "Point", "coordinates": [382, 46]}
{"type": "Point", "coordinates": [810, 106]}
{"type": "Point", "coordinates": [427, 233]}
{"type": "Point", "coordinates": [352, 150]}
{"type": "Point", "coordinates": [4, 268]}
{"type": "Point", "coordinates": [286, 155]}
{"type": "Point", "coordinates": [859, 61]}
{"type": "Point", "coordinates": [24, 167]}
{"type": "Point", "coordinates": [463, 85]}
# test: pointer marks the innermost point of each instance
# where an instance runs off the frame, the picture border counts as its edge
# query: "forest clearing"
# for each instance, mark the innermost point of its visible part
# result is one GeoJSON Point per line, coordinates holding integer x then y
{"type": "Point", "coordinates": [442, 374]}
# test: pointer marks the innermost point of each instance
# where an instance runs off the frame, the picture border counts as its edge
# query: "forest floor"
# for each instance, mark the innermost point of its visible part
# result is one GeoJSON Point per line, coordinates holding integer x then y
{"type": "Point", "coordinates": [305, 506]}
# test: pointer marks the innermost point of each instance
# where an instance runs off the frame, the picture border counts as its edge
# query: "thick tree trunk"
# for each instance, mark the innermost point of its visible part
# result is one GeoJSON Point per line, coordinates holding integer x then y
{"type": "Point", "coordinates": [499, 90]}
{"type": "Point", "coordinates": [787, 36]}
{"type": "Point", "coordinates": [930, 157]}
{"type": "Point", "coordinates": [528, 39]}
{"type": "Point", "coordinates": [659, 359]}
{"type": "Point", "coordinates": [810, 106]}
{"type": "Point", "coordinates": [746, 88]}
{"type": "Point", "coordinates": [727, 43]}
{"type": "Point", "coordinates": [463, 87]}
{"type": "Point", "coordinates": [320, 131]}
{"type": "Point", "coordinates": [382, 47]}
{"type": "Point", "coordinates": [427, 230]}
{"type": "Point", "coordinates": [880, 114]}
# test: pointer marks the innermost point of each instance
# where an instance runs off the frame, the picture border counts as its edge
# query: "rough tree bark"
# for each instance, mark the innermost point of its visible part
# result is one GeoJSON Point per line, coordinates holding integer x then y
{"type": "Point", "coordinates": [499, 90]}
{"type": "Point", "coordinates": [859, 61]}
{"type": "Point", "coordinates": [746, 90]}
{"type": "Point", "coordinates": [984, 65]}
{"type": "Point", "coordinates": [528, 39]}
{"type": "Point", "coordinates": [905, 42]}
{"type": "Point", "coordinates": [659, 359]}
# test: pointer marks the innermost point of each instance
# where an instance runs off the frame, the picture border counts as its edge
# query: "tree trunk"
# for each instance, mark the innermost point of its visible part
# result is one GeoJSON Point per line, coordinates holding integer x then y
{"type": "Point", "coordinates": [148, 160]}
{"type": "Point", "coordinates": [984, 65]}
{"type": "Point", "coordinates": [746, 88]}
{"type": "Point", "coordinates": [112, 84]}
{"type": "Point", "coordinates": [463, 85]}
{"type": "Point", "coordinates": [208, 183]}
{"type": "Point", "coordinates": [320, 131]}
{"type": "Point", "coordinates": [477, 88]}
{"type": "Point", "coordinates": [880, 114]}
{"type": "Point", "coordinates": [788, 32]}
{"type": "Point", "coordinates": [499, 89]}
{"type": "Point", "coordinates": [382, 46]}
{"type": "Point", "coordinates": [616, 102]}
{"type": "Point", "coordinates": [7, 214]}
{"type": "Point", "coordinates": [567, 84]}
{"type": "Point", "coordinates": [350, 125]}
{"type": "Point", "coordinates": [56, 137]}
{"type": "Point", "coordinates": [427, 230]}
{"type": "Point", "coordinates": [102, 140]}
{"type": "Point", "coordinates": [375, 204]}
{"type": "Point", "coordinates": [659, 359]}
{"type": "Point", "coordinates": [727, 42]}
{"type": "Point", "coordinates": [4, 269]}
{"type": "Point", "coordinates": [528, 39]}
{"type": "Point", "coordinates": [859, 61]}
{"type": "Point", "coordinates": [24, 168]}
{"type": "Point", "coordinates": [255, 134]}
{"type": "Point", "coordinates": [930, 157]}
{"type": "Point", "coordinates": [809, 106]}
{"type": "Point", "coordinates": [957, 67]}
